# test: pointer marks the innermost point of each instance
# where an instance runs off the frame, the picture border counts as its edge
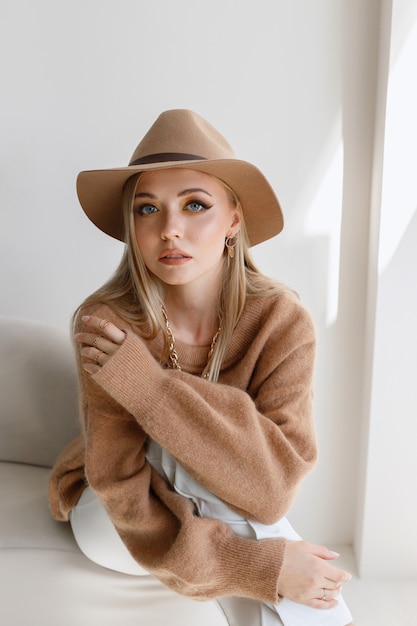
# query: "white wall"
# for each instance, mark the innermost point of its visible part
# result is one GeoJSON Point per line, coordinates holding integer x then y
{"type": "Point", "coordinates": [385, 538]}
{"type": "Point", "coordinates": [291, 84]}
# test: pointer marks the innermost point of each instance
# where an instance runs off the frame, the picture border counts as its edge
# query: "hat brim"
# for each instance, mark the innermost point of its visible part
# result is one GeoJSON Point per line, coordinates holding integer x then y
{"type": "Point", "coordinates": [100, 194]}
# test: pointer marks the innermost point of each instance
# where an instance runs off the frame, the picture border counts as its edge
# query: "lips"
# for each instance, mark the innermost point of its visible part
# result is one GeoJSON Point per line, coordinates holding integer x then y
{"type": "Point", "coordinates": [172, 257]}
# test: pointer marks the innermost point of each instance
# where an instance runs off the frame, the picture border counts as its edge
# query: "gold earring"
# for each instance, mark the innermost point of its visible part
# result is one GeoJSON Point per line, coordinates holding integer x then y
{"type": "Point", "coordinates": [231, 243]}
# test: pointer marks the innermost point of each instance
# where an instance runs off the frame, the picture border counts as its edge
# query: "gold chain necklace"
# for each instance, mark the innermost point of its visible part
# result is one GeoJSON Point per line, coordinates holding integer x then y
{"type": "Point", "coordinates": [173, 355]}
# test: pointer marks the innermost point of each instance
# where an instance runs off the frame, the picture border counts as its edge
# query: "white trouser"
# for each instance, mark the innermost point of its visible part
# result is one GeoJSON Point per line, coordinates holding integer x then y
{"type": "Point", "coordinates": [100, 542]}
{"type": "Point", "coordinates": [288, 613]}
{"type": "Point", "coordinates": [98, 539]}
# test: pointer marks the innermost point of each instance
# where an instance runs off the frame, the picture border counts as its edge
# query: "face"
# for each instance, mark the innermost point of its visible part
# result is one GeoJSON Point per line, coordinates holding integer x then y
{"type": "Point", "coordinates": [182, 218]}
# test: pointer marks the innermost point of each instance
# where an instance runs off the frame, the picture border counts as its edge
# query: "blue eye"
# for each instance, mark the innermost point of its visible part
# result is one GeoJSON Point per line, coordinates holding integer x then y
{"type": "Point", "coordinates": [146, 209]}
{"type": "Point", "coordinates": [195, 206]}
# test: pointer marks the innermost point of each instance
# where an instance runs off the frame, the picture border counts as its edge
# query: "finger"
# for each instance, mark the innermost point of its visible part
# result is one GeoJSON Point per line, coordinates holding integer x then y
{"type": "Point", "coordinates": [89, 339]}
{"type": "Point", "coordinates": [323, 604]}
{"type": "Point", "coordinates": [332, 573]}
{"type": "Point", "coordinates": [91, 368]}
{"type": "Point", "coordinates": [337, 576]}
{"type": "Point", "coordinates": [323, 552]}
{"type": "Point", "coordinates": [332, 586]}
{"type": "Point", "coordinates": [105, 328]}
{"type": "Point", "coordinates": [96, 355]}
{"type": "Point", "coordinates": [325, 598]}
{"type": "Point", "coordinates": [324, 594]}
{"type": "Point", "coordinates": [97, 341]}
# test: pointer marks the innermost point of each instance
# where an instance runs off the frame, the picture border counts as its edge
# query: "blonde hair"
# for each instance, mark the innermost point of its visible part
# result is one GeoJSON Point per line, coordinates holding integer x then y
{"type": "Point", "coordinates": [137, 295]}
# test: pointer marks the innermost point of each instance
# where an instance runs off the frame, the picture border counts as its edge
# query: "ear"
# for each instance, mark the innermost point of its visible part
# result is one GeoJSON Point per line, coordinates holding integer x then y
{"type": "Point", "coordinates": [235, 225]}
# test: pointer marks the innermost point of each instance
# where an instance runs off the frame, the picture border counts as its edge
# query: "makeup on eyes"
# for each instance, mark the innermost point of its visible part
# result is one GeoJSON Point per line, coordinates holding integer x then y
{"type": "Point", "coordinates": [140, 209]}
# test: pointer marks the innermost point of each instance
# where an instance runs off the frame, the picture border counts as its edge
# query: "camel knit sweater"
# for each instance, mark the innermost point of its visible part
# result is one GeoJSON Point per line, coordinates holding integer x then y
{"type": "Point", "coordinates": [248, 438]}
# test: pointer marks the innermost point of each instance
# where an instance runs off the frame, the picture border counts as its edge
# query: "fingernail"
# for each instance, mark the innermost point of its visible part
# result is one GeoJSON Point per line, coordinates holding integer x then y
{"type": "Point", "coordinates": [85, 318]}
{"type": "Point", "coordinates": [334, 553]}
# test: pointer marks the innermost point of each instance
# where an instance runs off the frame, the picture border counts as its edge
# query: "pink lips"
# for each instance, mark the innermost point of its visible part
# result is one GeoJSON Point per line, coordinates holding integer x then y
{"type": "Point", "coordinates": [174, 257]}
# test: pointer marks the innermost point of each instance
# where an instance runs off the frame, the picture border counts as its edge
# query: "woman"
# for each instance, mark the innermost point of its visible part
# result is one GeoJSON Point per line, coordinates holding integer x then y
{"type": "Point", "coordinates": [195, 381]}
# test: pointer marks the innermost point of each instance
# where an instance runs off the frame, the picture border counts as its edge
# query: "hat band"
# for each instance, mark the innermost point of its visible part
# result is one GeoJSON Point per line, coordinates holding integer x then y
{"type": "Point", "coordinates": [166, 156]}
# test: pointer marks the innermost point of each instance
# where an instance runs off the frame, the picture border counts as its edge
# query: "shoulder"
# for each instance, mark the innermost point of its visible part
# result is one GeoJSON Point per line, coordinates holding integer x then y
{"type": "Point", "coordinates": [280, 313]}
{"type": "Point", "coordinates": [271, 327]}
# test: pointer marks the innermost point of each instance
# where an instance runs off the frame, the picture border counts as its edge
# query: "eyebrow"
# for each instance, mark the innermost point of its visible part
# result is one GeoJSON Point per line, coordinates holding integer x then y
{"type": "Point", "coordinates": [194, 190]}
{"type": "Point", "coordinates": [145, 194]}
{"type": "Point", "coordinates": [185, 192]}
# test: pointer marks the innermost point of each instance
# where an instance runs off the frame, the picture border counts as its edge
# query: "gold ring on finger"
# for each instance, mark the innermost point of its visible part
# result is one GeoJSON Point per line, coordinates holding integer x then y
{"type": "Point", "coordinates": [324, 594]}
{"type": "Point", "coordinates": [96, 358]}
{"type": "Point", "coordinates": [103, 324]}
{"type": "Point", "coordinates": [96, 340]}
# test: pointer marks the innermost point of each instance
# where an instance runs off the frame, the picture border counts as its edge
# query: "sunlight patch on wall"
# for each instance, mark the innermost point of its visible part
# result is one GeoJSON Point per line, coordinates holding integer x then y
{"type": "Point", "coordinates": [324, 218]}
{"type": "Point", "coordinates": [399, 191]}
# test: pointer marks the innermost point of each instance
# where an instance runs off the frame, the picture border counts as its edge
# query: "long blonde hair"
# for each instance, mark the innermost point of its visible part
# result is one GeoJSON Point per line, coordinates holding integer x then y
{"type": "Point", "coordinates": [137, 295]}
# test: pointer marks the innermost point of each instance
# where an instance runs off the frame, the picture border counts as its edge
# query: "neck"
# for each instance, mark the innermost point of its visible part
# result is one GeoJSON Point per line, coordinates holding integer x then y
{"type": "Point", "coordinates": [194, 320]}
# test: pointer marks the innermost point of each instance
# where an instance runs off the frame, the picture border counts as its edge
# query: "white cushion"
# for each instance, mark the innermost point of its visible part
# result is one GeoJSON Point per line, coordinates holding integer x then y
{"type": "Point", "coordinates": [45, 580]}
{"type": "Point", "coordinates": [38, 391]}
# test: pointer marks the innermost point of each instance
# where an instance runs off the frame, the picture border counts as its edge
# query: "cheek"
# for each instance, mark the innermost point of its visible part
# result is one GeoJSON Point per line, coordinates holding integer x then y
{"type": "Point", "coordinates": [141, 237]}
{"type": "Point", "coordinates": [215, 231]}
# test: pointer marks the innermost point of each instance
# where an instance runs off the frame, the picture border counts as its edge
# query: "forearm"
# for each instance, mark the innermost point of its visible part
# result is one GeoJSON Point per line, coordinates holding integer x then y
{"type": "Point", "coordinates": [161, 528]}
{"type": "Point", "coordinates": [215, 431]}
{"type": "Point", "coordinates": [235, 567]}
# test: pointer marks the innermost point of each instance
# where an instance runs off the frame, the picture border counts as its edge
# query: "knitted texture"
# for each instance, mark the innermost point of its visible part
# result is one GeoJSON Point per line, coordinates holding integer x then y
{"type": "Point", "coordinates": [249, 439]}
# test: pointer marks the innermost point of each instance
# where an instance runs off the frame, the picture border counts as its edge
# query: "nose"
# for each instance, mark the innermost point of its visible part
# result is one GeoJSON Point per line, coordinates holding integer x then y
{"type": "Point", "coordinates": [172, 227]}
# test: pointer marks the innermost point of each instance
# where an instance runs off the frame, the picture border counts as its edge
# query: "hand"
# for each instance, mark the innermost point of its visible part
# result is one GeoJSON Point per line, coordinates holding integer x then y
{"type": "Point", "coordinates": [99, 345]}
{"type": "Point", "coordinates": [308, 578]}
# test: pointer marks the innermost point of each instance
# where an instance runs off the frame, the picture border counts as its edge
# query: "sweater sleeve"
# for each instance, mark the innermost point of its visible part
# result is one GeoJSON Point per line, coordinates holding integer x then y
{"type": "Point", "coordinates": [250, 449]}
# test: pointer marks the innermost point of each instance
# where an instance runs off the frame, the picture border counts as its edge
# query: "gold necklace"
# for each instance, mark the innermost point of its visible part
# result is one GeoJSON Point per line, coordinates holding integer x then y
{"type": "Point", "coordinates": [173, 355]}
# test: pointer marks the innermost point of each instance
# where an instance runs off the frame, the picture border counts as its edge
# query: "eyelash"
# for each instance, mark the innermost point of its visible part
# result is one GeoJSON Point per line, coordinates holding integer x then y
{"type": "Point", "coordinates": [205, 206]}
{"type": "Point", "coordinates": [140, 210]}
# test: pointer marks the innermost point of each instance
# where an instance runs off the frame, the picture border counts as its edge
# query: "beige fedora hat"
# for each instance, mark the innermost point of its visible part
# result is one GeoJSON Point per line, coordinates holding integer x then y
{"type": "Point", "coordinates": [180, 138]}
